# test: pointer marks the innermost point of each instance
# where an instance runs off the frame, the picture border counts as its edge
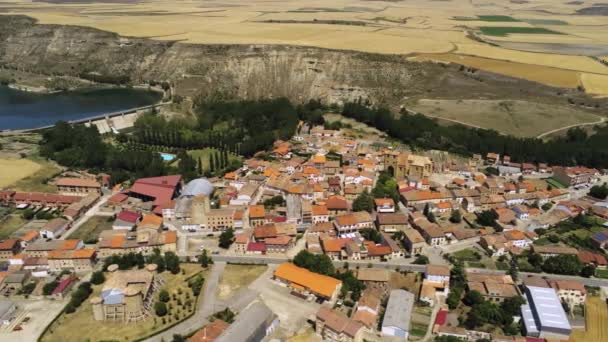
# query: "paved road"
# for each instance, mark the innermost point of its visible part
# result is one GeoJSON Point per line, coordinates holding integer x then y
{"type": "Point", "coordinates": [206, 307]}
{"type": "Point", "coordinates": [393, 265]}
{"type": "Point", "coordinates": [245, 259]}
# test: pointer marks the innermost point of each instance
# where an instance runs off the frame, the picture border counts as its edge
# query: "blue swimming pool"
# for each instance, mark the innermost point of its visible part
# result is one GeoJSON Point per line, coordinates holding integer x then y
{"type": "Point", "coordinates": [167, 156]}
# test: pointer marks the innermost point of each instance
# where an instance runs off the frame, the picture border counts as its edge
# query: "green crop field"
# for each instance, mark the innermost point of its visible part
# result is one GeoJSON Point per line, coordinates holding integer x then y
{"type": "Point", "coordinates": [500, 31]}
{"type": "Point", "coordinates": [545, 22]}
{"type": "Point", "coordinates": [555, 183]}
{"type": "Point", "coordinates": [497, 18]}
{"type": "Point", "coordinates": [489, 18]}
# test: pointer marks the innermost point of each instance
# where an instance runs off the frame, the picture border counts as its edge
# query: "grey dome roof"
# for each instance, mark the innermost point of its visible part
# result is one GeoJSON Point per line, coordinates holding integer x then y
{"type": "Point", "coordinates": [199, 186]}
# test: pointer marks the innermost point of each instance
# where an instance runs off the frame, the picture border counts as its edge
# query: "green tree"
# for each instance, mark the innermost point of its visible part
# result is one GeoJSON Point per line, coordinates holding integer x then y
{"type": "Point", "coordinates": [454, 297]}
{"type": "Point", "coordinates": [487, 218]}
{"type": "Point", "coordinates": [455, 216]}
{"type": "Point", "coordinates": [226, 238]}
{"type": "Point", "coordinates": [163, 296]}
{"type": "Point", "coordinates": [599, 191]}
{"type": "Point", "coordinates": [97, 278]}
{"type": "Point", "coordinates": [421, 260]}
{"type": "Point", "coordinates": [563, 264]}
{"type": "Point", "coordinates": [364, 202]}
{"type": "Point", "coordinates": [172, 262]}
{"type": "Point", "coordinates": [160, 308]}
{"type": "Point", "coordinates": [204, 259]}
{"type": "Point", "coordinates": [48, 288]}
{"type": "Point", "coordinates": [371, 234]}
{"type": "Point", "coordinates": [472, 298]}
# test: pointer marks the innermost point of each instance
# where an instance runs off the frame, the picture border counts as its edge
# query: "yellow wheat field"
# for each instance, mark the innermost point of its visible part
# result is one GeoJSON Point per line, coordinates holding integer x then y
{"type": "Point", "coordinates": [597, 322]}
{"type": "Point", "coordinates": [552, 76]}
{"type": "Point", "coordinates": [595, 84]}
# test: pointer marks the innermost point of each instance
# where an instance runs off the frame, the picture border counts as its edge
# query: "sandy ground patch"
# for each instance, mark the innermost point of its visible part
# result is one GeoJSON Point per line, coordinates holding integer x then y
{"type": "Point", "coordinates": [519, 118]}
{"type": "Point", "coordinates": [236, 277]}
{"type": "Point", "coordinates": [13, 170]}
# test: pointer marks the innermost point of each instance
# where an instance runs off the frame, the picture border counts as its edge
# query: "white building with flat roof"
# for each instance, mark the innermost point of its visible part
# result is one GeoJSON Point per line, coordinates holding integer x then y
{"type": "Point", "coordinates": [544, 315]}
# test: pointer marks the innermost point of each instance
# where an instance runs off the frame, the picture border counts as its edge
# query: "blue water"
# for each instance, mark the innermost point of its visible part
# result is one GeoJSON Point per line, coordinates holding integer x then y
{"type": "Point", "coordinates": [23, 110]}
{"type": "Point", "coordinates": [167, 156]}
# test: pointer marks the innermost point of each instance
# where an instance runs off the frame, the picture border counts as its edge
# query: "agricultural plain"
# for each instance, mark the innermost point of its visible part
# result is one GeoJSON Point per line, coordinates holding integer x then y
{"type": "Point", "coordinates": [487, 29]}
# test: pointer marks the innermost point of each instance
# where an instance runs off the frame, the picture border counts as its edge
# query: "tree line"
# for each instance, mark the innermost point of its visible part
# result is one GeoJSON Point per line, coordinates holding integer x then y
{"type": "Point", "coordinates": [576, 148]}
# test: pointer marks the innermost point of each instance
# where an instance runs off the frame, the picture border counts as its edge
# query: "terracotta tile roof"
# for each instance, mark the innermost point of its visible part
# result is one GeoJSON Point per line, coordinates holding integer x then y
{"type": "Point", "coordinates": [210, 332]}
{"type": "Point", "coordinates": [151, 220]}
{"type": "Point", "coordinates": [279, 240]}
{"type": "Point", "coordinates": [319, 159]}
{"type": "Point", "coordinates": [256, 211]}
{"type": "Point", "coordinates": [384, 201]}
{"type": "Point", "coordinates": [377, 250]}
{"type": "Point", "coordinates": [70, 244]}
{"type": "Point", "coordinates": [170, 237]}
{"type": "Point", "coordinates": [78, 182]}
{"type": "Point", "coordinates": [334, 245]}
{"type": "Point", "coordinates": [85, 253]}
{"type": "Point", "coordinates": [317, 283]}
{"type": "Point", "coordinates": [514, 234]}
{"type": "Point", "coordinates": [318, 210]}
{"type": "Point", "coordinates": [438, 270]}
{"type": "Point", "coordinates": [256, 247]}
{"type": "Point", "coordinates": [338, 322]}
{"type": "Point", "coordinates": [8, 244]}
{"type": "Point", "coordinates": [265, 231]}
{"type": "Point", "coordinates": [322, 227]}
{"type": "Point", "coordinates": [392, 218]}
{"type": "Point", "coordinates": [569, 285]}
{"type": "Point", "coordinates": [346, 220]}
{"type": "Point", "coordinates": [336, 203]}
{"type": "Point", "coordinates": [117, 241]}
{"type": "Point", "coordinates": [365, 317]}
{"type": "Point", "coordinates": [128, 216]}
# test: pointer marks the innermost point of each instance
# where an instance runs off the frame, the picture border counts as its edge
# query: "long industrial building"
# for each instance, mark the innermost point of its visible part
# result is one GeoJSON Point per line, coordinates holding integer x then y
{"type": "Point", "coordinates": [544, 315]}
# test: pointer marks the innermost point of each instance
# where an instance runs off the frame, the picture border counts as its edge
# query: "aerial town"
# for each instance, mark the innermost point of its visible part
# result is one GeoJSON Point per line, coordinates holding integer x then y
{"type": "Point", "coordinates": [333, 235]}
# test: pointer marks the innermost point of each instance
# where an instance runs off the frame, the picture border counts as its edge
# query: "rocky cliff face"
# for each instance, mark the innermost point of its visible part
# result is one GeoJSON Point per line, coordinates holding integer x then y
{"type": "Point", "coordinates": [248, 71]}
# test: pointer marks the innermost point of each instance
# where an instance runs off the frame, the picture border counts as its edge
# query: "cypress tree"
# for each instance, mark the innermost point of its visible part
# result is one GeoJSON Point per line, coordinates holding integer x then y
{"type": "Point", "coordinates": [212, 162]}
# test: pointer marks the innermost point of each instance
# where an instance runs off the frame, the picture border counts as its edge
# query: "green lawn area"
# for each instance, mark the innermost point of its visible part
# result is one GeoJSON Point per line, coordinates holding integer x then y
{"type": "Point", "coordinates": [555, 183]}
{"type": "Point", "coordinates": [501, 265]}
{"type": "Point", "coordinates": [601, 273]}
{"type": "Point", "coordinates": [501, 31]}
{"type": "Point", "coordinates": [10, 224]}
{"type": "Point", "coordinates": [418, 330]}
{"type": "Point", "coordinates": [467, 254]}
{"type": "Point", "coordinates": [38, 180]}
{"type": "Point", "coordinates": [90, 230]}
{"type": "Point", "coordinates": [236, 277]}
{"type": "Point", "coordinates": [80, 325]}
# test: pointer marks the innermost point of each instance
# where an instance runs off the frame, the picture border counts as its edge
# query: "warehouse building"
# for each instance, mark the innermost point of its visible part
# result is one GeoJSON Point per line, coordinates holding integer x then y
{"type": "Point", "coordinates": [544, 315]}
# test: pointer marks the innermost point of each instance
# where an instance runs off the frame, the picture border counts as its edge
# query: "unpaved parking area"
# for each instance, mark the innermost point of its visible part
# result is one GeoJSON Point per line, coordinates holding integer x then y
{"type": "Point", "coordinates": [292, 311]}
{"type": "Point", "coordinates": [40, 313]}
